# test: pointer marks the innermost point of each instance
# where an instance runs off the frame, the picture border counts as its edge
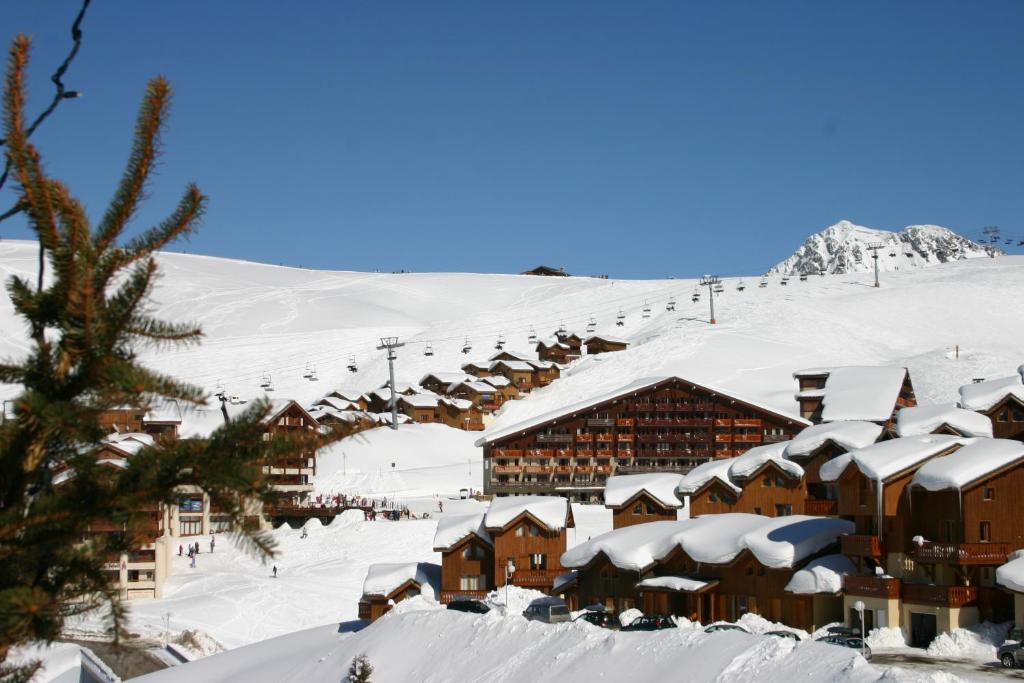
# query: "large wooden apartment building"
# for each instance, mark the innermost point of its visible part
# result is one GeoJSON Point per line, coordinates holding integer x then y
{"type": "Point", "coordinates": [661, 424]}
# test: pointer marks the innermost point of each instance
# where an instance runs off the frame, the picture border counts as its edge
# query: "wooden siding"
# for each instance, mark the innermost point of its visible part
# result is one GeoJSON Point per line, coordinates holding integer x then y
{"type": "Point", "coordinates": [507, 545]}
{"type": "Point", "coordinates": [455, 565]}
{"type": "Point", "coordinates": [650, 510]}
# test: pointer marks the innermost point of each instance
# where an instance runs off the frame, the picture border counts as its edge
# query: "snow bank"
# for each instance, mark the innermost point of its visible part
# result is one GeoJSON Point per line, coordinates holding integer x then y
{"type": "Point", "coordinates": [628, 616]}
{"type": "Point", "coordinates": [453, 528]}
{"type": "Point", "coordinates": [661, 486]}
{"type": "Point", "coordinates": [821, 575]}
{"type": "Point", "coordinates": [384, 578]}
{"type": "Point", "coordinates": [846, 435]}
{"type": "Point", "coordinates": [978, 641]}
{"type": "Point", "coordinates": [700, 475]}
{"type": "Point", "coordinates": [860, 392]}
{"type": "Point", "coordinates": [917, 420]}
{"type": "Point", "coordinates": [886, 638]}
{"type": "Point", "coordinates": [984, 395]}
{"type": "Point", "coordinates": [745, 465]}
{"type": "Point", "coordinates": [1011, 574]}
{"type": "Point", "coordinates": [755, 623]}
{"type": "Point", "coordinates": [551, 511]}
{"type": "Point", "coordinates": [977, 459]}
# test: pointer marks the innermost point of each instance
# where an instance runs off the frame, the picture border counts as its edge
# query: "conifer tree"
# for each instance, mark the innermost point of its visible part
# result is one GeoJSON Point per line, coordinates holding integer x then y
{"type": "Point", "coordinates": [86, 323]}
{"type": "Point", "coordinates": [360, 670]}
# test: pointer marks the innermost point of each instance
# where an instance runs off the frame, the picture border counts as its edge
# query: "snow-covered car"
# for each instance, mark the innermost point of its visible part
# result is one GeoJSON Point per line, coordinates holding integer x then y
{"type": "Point", "coordinates": [547, 611]}
{"type": "Point", "coordinates": [467, 605]}
{"type": "Point", "coordinates": [602, 619]}
{"type": "Point", "coordinates": [1011, 655]}
{"type": "Point", "coordinates": [852, 642]}
{"type": "Point", "coordinates": [724, 626]}
{"type": "Point", "coordinates": [655, 622]}
{"type": "Point", "coordinates": [783, 634]}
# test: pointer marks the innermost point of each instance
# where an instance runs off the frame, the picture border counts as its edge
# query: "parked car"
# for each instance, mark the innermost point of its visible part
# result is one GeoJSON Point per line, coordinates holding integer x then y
{"type": "Point", "coordinates": [843, 631]}
{"type": "Point", "coordinates": [467, 605]}
{"type": "Point", "coordinates": [655, 622]}
{"type": "Point", "coordinates": [852, 642]}
{"type": "Point", "coordinates": [783, 634]}
{"type": "Point", "coordinates": [724, 626]}
{"type": "Point", "coordinates": [1011, 655]}
{"type": "Point", "coordinates": [548, 611]}
{"type": "Point", "coordinates": [602, 619]}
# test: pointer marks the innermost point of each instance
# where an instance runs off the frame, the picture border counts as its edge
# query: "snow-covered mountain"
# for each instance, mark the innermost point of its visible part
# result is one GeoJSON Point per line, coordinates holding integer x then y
{"type": "Point", "coordinates": [843, 248]}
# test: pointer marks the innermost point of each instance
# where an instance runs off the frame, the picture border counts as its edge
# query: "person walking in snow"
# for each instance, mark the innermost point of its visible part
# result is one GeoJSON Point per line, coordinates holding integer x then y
{"type": "Point", "coordinates": [212, 543]}
{"type": "Point", "coordinates": [181, 549]}
{"type": "Point", "coordinates": [193, 562]}
{"type": "Point", "coordinates": [275, 571]}
{"type": "Point", "coordinates": [440, 506]}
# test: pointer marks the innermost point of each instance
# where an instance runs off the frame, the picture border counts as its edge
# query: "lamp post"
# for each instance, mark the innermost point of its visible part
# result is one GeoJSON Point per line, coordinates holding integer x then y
{"type": "Point", "coordinates": [859, 606]}
{"type": "Point", "coordinates": [510, 569]}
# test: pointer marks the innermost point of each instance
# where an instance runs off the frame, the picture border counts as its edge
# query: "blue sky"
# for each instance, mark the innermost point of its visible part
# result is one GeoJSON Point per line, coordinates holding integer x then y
{"type": "Point", "coordinates": [633, 139]}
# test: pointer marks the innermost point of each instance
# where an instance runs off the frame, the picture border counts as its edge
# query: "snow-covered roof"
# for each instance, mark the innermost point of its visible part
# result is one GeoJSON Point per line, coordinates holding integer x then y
{"type": "Point", "coordinates": [673, 583]}
{"type": "Point", "coordinates": [129, 443]}
{"type": "Point", "coordinates": [984, 395]}
{"type": "Point", "coordinates": [914, 420]}
{"type": "Point", "coordinates": [978, 459]}
{"type": "Point", "coordinates": [605, 338]}
{"type": "Point", "coordinates": [475, 386]}
{"type": "Point", "coordinates": [477, 365]}
{"type": "Point", "coordinates": [634, 386]}
{"type": "Point", "coordinates": [446, 378]}
{"type": "Point", "coordinates": [163, 410]}
{"type": "Point", "coordinates": [884, 459]}
{"type": "Point", "coordinates": [383, 579]}
{"type": "Point", "coordinates": [451, 529]}
{"type": "Point", "coordinates": [458, 403]}
{"type": "Point", "coordinates": [552, 343]}
{"type": "Point", "coordinates": [551, 511]}
{"type": "Point", "coordinates": [516, 365]}
{"type": "Point", "coordinates": [811, 372]}
{"type": "Point", "coordinates": [496, 381]}
{"type": "Point", "coordinates": [700, 475]}
{"type": "Point", "coordinates": [1011, 574]}
{"type": "Point", "coordinates": [333, 402]}
{"type": "Point", "coordinates": [821, 575]}
{"type": "Point", "coordinates": [661, 486]}
{"type": "Point", "coordinates": [745, 465]}
{"type": "Point", "coordinates": [846, 435]}
{"type": "Point", "coordinates": [862, 392]}
{"type": "Point", "coordinates": [420, 400]}
{"type": "Point", "coordinates": [543, 364]}
{"type": "Point", "coordinates": [713, 539]}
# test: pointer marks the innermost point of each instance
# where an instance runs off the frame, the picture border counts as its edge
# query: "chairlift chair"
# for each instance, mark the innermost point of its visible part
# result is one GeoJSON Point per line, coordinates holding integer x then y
{"type": "Point", "coordinates": [620, 318]}
{"type": "Point", "coordinates": [428, 350]}
{"type": "Point", "coordinates": [307, 372]}
{"type": "Point", "coordinates": [500, 344]}
{"type": "Point", "coordinates": [671, 305]}
{"type": "Point", "coordinates": [718, 289]}
{"type": "Point", "coordinates": [313, 376]}
{"type": "Point", "coordinates": [533, 336]}
{"type": "Point", "coordinates": [741, 286]}
{"type": "Point", "coordinates": [763, 283]}
{"type": "Point", "coordinates": [591, 324]}
{"type": "Point", "coordinates": [784, 281]}
{"type": "Point", "coordinates": [892, 253]}
{"type": "Point", "coordinates": [269, 386]}
{"type": "Point", "coordinates": [352, 366]}
{"type": "Point", "coordinates": [803, 277]}
{"type": "Point", "coordinates": [562, 332]}
{"type": "Point", "coordinates": [646, 309]}
{"type": "Point", "coordinates": [466, 346]}
{"type": "Point", "coordinates": [264, 381]}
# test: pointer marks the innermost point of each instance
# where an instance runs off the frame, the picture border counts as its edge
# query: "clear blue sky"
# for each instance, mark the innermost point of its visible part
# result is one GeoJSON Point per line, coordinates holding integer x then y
{"type": "Point", "coordinates": [634, 139]}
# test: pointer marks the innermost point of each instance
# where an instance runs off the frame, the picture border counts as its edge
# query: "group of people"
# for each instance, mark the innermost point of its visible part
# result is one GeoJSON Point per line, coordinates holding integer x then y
{"type": "Point", "coordinates": [193, 550]}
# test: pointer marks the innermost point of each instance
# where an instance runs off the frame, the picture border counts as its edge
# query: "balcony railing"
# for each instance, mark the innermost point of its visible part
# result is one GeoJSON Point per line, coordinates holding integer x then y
{"type": "Point", "coordinates": [533, 577]}
{"type": "Point", "coordinates": [506, 469]}
{"type": "Point", "coordinates": [507, 453]}
{"type": "Point", "coordinates": [605, 438]}
{"type": "Point", "coordinates": [540, 452]}
{"type": "Point", "coordinates": [723, 438]}
{"type": "Point", "coordinates": [941, 596]}
{"type": "Point", "coordinates": [860, 545]}
{"type": "Point", "coordinates": [820, 507]}
{"type": "Point", "coordinates": [452, 596]}
{"type": "Point", "coordinates": [775, 438]}
{"type": "Point", "coordinates": [585, 437]}
{"type": "Point", "coordinates": [563, 452]}
{"type": "Point", "coordinates": [961, 553]}
{"type": "Point", "coordinates": [625, 437]}
{"type": "Point", "coordinates": [746, 438]}
{"type": "Point", "coordinates": [625, 422]}
{"type": "Point", "coordinates": [554, 438]}
{"type": "Point", "coordinates": [604, 455]}
{"type": "Point", "coordinates": [744, 422]}
{"type": "Point", "coordinates": [722, 422]}
{"type": "Point", "coordinates": [600, 422]}
{"type": "Point", "coordinates": [872, 586]}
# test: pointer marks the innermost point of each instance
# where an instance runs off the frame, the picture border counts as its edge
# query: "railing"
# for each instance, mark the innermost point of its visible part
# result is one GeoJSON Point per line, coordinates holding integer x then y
{"type": "Point", "coordinates": [452, 596]}
{"type": "Point", "coordinates": [775, 438]}
{"type": "Point", "coordinates": [746, 438]}
{"type": "Point", "coordinates": [745, 422]}
{"type": "Point", "coordinates": [624, 468]}
{"type": "Point", "coordinates": [647, 438]}
{"type": "Point", "coordinates": [625, 422]}
{"type": "Point", "coordinates": [942, 596]}
{"type": "Point", "coordinates": [962, 553]}
{"type": "Point", "coordinates": [872, 586]}
{"type": "Point", "coordinates": [604, 455]}
{"type": "Point", "coordinates": [564, 469]}
{"type": "Point", "coordinates": [860, 545]}
{"type": "Point", "coordinates": [506, 469]}
{"type": "Point", "coordinates": [554, 438]}
{"type": "Point", "coordinates": [626, 437]}
{"type": "Point", "coordinates": [490, 405]}
{"type": "Point", "coordinates": [585, 437]}
{"type": "Point", "coordinates": [475, 426]}
{"type": "Point", "coordinates": [605, 438]}
{"type": "Point", "coordinates": [537, 469]}
{"type": "Point", "coordinates": [720, 422]}
{"type": "Point", "coordinates": [584, 469]}
{"type": "Point", "coordinates": [723, 438]}
{"type": "Point", "coordinates": [603, 469]}
{"type": "Point", "coordinates": [507, 453]}
{"type": "Point", "coordinates": [540, 452]}
{"type": "Point", "coordinates": [533, 577]}
{"type": "Point", "coordinates": [820, 507]}
{"type": "Point", "coordinates": [600, 422]}
{"type": "Point", "coordinates": [563, 452]}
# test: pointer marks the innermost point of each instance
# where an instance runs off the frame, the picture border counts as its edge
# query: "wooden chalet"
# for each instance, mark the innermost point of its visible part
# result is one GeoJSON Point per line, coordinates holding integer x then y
{"type": "Point", "coordinates": [822, 443]}
{"type": "Point", "coordinates": [942, 419]}
{"type": "Point", "coordinates": [639, 498]}
{"type": "Point", "coordinates": [519, 372]}
{"type": "Point", "coordinates": [1002, 401]}
{"type": "Point", "coordinates": [388, 584]}
{"type": "Point", "coordinates": [657, 425]}
{"type": "Point", "coordinates": [467, 557]}
{"type": "Point", "coordinates": [461, 414]}
{"type": "Point", "coordinates": [544, 373]}
{"type": "Point", "coordinates": [504, 389]}
{"type": "Point", "coordinates": [603, 344]}
{"type": "Point", "coordinates": [438, 382]}
{"type": "Point", "coordinates": [508, 354]}
{"type": "Point", "coordinates": [481, 394]}
{"type": "Point", "coordinates": [869, 393]}
{"type": "Point", "coordinates": [546, 271]}
{"type": "Point", "coordinates": [421, 408]}
{"type": "Point", "coordinates": [530, 533]}
{"type": "Point", "coordinates": [162, 417]}
{"type": "Point", "coordinates": [477, 369]}
{"type": "Point", "coordinates": [290, 477]}
{"type": "Point", "coordinates": [557, 351]}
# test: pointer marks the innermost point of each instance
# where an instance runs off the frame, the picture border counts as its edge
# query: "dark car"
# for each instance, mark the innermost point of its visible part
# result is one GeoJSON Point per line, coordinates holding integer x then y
{"type": "Point", "coordinates": [547, 610]}
{"type": "Point", "coordinates": [783, 634]}
{"type": "Point", "coordinates": [852, 642]}
{"type": "Point", "coordinates": [602, 619]}
{"type": "Point", "coordinates": [713, 628]}
{"type": "Point", "coordinates": [474, 606]}
{"type": "Point", "coordinates": [652, 623]}
{"type": "Point", "coordinates": [843, 631]}
{"type": "Point", "coordinates": [1011, 655]}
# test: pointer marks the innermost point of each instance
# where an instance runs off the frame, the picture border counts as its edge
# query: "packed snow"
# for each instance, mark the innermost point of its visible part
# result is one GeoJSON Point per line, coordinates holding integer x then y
{"type": "Point", "coordinates": [661, 486]}
{"type": "Point", "coordinates": [673, 583]}
{"type": "Point", "coordinates": [785, 541]}
{"type": "Point", "coordinates": [917, 420]}
{"type": "Point", "coordinates": [847, 435]}
{"type": "Point", "coordinates": [978, 459]}
{"type": "Point", "coordinates": [821, 575]}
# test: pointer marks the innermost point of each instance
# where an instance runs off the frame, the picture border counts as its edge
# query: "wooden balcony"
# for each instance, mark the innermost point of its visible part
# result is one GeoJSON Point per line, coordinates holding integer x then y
{"type": "Point", "coordinates": [860, 546]}
{"type": "Point", "coordinates": [554, 438]}
{"type": "Point", "coordinates": [600, 422]}
{"type": "Point", "coordinates": [695, 422]}
{"type": "Point", "coordinates": [540, 452]}
{"type": "Point", "coordinates": [603, 469]}
{"type": "Point", "coordinates": [452, 596]}
{"type": "Point", "coordinates": [744, 422]}
{"type": "Point", "coordinates": [604, 455]}
{"type": "Point", "coordinates": [746, 438]}
{"type": "Point", "coordinates": [506, 469]}
{"type": "Point", "coordinates": [507, 453]}
{"type": "Point", "coordinates": [489, 406]}
{"type": "Point", "coordinates": [537, 469]}
{"type": "Point", "coordinates": [625, 422]}
{"type": "Point", "coordinates": [534, 577]}
{"type": "Point", "coordinates": [723, 438]}
{"type": "Point", "coordinates": [775, 438]}
{"type": "Point", "coordinates": [654, 438]}
{"type": "Point", "coordinates": [961, 553]}
{"type": "Point", "coordinates": [872, 587]}
{"type": "Point", "coordinates": [626, 437]}
{"type": "Point", "coordinates": [584, 469]}
{"type": "Point", "coordinates": [723, 422]}
{"type": "Point", "coordinates": [564, 469]}
{"type": "Point", "coordinates": [563, 452]}
{"type": "Point", "coordinates": [585, 437]}
{"type": "Point", "coordinates": [939, 596]}
{"type": "Point", "coordinates": [605, 438]}
{"type": "Point", "coordinates": [823, 508]}
{"type": "Point", "coordinates": [474, 426]}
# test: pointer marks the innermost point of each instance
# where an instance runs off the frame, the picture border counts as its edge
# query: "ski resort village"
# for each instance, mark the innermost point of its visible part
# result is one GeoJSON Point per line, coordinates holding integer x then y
{"type": "Point", "coordinates": [538, 342]}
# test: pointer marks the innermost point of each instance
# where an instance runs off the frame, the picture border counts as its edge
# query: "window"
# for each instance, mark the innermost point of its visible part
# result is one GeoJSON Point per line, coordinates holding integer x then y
{"type": "Point", "coordinates": [638, 509]}
{"type": "Point", "coordinates": [538, 561]}
{"type": "Point", "coordinates": [1017, 414]}
{"type": "Point", "coordinates": [985, 533]}
{"type": "Point", "coordinates": [988, 493]}
{"type": "Point", "coordinates": [473, 582]}
{"type": "Point", "coordinates": [783, 510]}
{"type": "Point", "coordinates": [473, 552]}
{"type": "Point", "coordinates": [651, 510]}
{"type": "Point", "coordinates": [766, 482]}
{"type": "Point", "coordinates": [949, 534]}
{"type": "Point", "coordinates": [713, 498]}
{"type": "Point", "coordinates": [190, 526]}
{"type": "Point", "coordinates": [190, 505]}
{"type": "Point", "coordinates": [1003, 415]}
{"type": "Point", "coordinates": [779, 482]}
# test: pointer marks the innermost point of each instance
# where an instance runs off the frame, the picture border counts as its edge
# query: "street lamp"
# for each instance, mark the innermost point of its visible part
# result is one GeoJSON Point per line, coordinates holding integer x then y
{"type": "Point", "coordinates": [859, 606]}
{"type": "Point", "coordinates": [510, 569]}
